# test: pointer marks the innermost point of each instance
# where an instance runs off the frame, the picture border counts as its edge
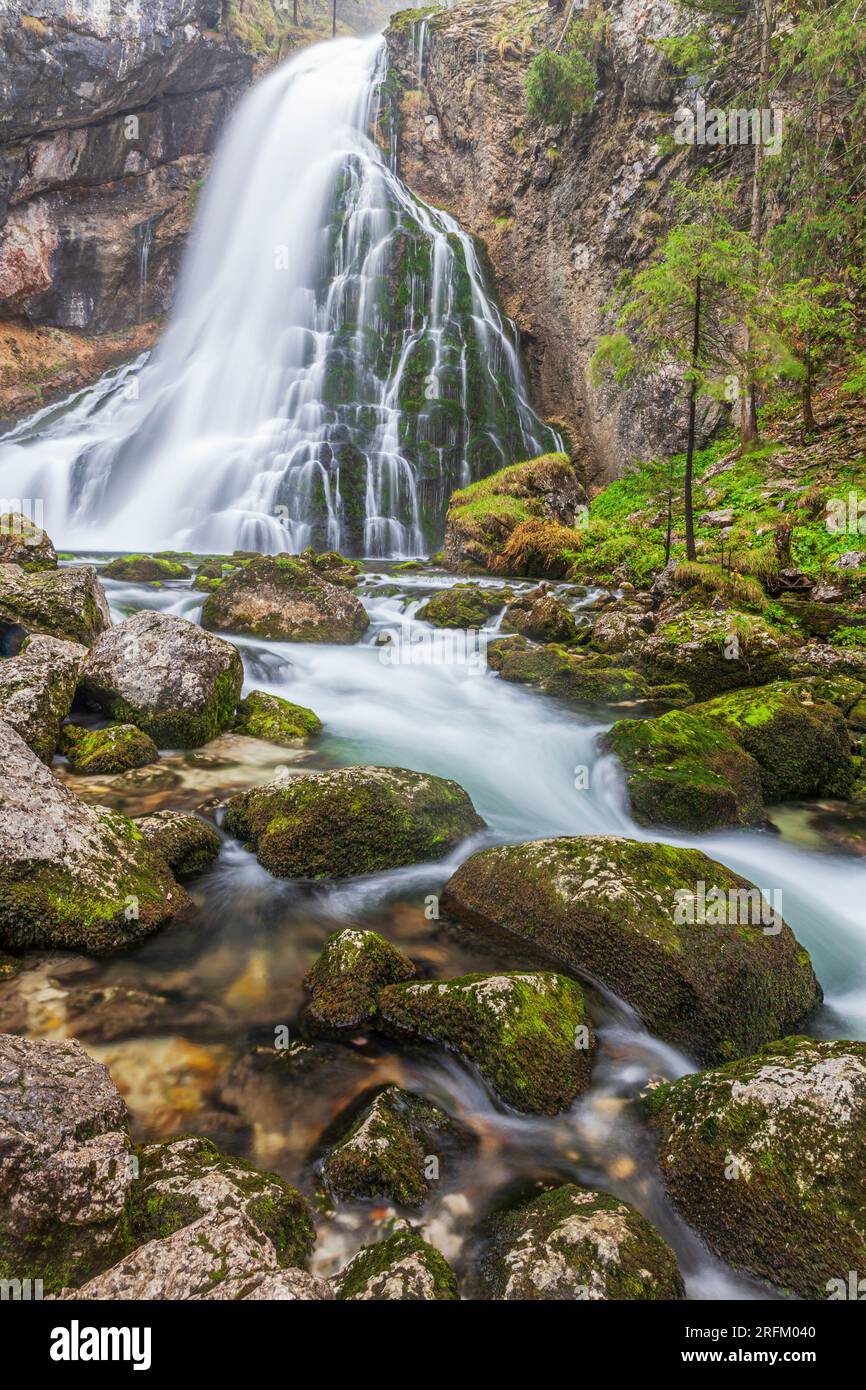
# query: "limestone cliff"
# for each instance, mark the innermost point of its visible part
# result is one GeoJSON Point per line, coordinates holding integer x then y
{"type": "Point", "coordinates": [562, 210]}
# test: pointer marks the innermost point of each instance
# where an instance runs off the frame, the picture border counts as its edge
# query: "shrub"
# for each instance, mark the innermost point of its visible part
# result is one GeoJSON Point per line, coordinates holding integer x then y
{"type": "Point", "coordinates": [559, 86]}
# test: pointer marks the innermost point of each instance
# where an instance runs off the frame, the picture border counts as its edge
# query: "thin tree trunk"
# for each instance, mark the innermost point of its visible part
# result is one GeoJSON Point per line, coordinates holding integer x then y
{"type": "Point", "coordinates": [691, 553]}
{"type": "Point", "coordinates": [334, 19]}
{"type": "Point", "coordinates": [749, 408]}
{"type": "Point", "coordinates": [295, 13]}
{"type": "Point", "coordinates": [810, 424]}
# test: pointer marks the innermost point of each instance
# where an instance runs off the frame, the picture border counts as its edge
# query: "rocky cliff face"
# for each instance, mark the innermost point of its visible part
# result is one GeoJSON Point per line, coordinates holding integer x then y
{"type": "Point", "coordinates": [108, 111]}
{"type": "Point", "coordinates": [562, 210]}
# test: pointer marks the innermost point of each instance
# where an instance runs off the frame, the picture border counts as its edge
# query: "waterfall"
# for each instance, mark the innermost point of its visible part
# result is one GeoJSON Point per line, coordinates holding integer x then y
{"type": "Point", "coordinates": [334, 367]}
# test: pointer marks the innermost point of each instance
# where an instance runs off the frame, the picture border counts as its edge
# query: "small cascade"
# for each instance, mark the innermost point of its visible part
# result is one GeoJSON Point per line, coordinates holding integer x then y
{"type": "Point", "coordinates": [335, 365]}
{"type": "Point", "coordinates": [144, 241]}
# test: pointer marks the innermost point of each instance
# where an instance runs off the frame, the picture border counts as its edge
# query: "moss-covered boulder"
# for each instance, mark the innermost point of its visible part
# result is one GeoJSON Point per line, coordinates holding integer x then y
{"type": "Point", "coordinates": [37, 688]}
{"type": "Point", "coordinates": [115, 749]}
{"type": "Point", "coordinates": [714, 650]}
{"type": "Point", "coordinates": [394, 1149]}
{"type": "Point", "coordinates": [402, 1267]}
{"type": "Point", "coordinates": [275, 720]}
{"type": "Point", "coordinates": [354, 820]}
{"type": "Point", "coordinates": [582, 678]}
{"type": "Point", "coordinates": [718, 762]}
{"type": "Point", "coordinates": [529, 1035]}
{"type": "Point", "coordinates": [620, 628]}
{"type": "Point", "coordinates": [179, 684]}
{"type": "Point", "coordinates": [766, 1159]}
{"type": "Point", "coordinates": [145, 569]}
{"type": "Point", "coordinates": [187, 843]}
{"type": "Point", "coordinates": [692, 946]}
{"type": "Point", "coordinates": [483, 516]}
{"type": "Point", "coordinates": [72, 877]}
{"type": "Point", "coordinates": [572, 1243]}
{"type": "Point", "coordinates": [345, 980]}
{"type": "Point", "coordinates": [286, 598]}
{"type": "Point", "coordinates": [66, 1165]}
{"type": "Point", "coordinates": [69, 603]}
{"type": "Point", "coordinates": [198, 1218]}
{"type": "Point", "coordinates": [541, 616]}
{"type": "Point", "coordinates": [24, 543]}
{"type": "Point", "coordinates": [463, 606]}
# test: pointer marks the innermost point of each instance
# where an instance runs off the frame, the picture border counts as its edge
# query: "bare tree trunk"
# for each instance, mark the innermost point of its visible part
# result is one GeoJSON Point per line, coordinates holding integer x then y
{"type": "Point", "coordinates": [749, 404]}
{"type": "Point", "coordinates": [334, 19]}
{"type": "Point", "coordinates": [295, 13]}
{"type": "Point", "coordinates": [810, 424]}
{"type": "Point", "coordinates": [691, 553]}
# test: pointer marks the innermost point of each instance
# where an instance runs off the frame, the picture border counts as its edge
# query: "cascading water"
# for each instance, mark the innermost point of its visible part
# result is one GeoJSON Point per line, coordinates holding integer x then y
{"type": "Point", "coordinates": [335, 366]}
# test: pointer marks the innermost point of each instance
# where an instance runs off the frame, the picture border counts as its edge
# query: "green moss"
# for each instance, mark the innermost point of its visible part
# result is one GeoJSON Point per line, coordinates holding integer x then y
{"type": "Point", "coordinates": [115, 749]}
{"type": "Point", "coordinates": [275, 720]}
{"type": "Point", "coordinates": [463, 606]}
{"type": "Point", "coordinates": [345, 980]}
{"type": "Point", "coordinates": [377, 1269]}
{"type": "Point", "coordinates": [145, 569]}
{"type": "Point", "coordinates": [521, 1031]}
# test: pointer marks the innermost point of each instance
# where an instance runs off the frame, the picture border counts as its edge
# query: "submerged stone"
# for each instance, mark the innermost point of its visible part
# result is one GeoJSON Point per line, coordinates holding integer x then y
{"type": "Point", "coordinates": [528, 1034]}
{"type": "Point", "coordinates": [766, 1158]}
{"type": "Point", "coordinates": [354, 820]}
{"type": "Point", "coordinates": [574, 1244]}
{"type": "Point", "coordinates": [463, 606]}
{"type": "Point", "coordinates": [707, 963]}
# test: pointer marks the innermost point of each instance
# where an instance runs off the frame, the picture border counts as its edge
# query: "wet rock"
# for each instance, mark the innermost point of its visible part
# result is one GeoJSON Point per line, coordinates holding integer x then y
{"type": "Point", "coordinates": [285, 598]}
{"type": "Point", "coordinates": [765, 1158]}
{"type": "Point", "coordinates": [275, 720]}
{"type": "Point", "coordinates": [186, 843]}
{"type": "Point", "coordinates": [718, 762]}
{"type": "Point", "coordinates": [483, 516]}
{"type": "Point", "coordinates": [528, 1034]}
{"type": "Point", "coordinates": [579, 677]}
{"type": "Point", "coordinates": [713, 651]}
{"type": "Point", "coordinates": [572, 1243]}
{"type": "Point", "coordinates": [463, 606]}
{"type": "Point", "coordinates": [345, 980]}
{"type": "Point", "coordinates": [719, 985]}
{"type": "Point", "coordinates": [69, 603]}
{"type": "Point", "coordinates": [37, 688]}
{"type": "Point", "coordinates": [72, 876]}
{"type": "Point", "coordinates": [390, 1149]}
{"type": "Point", "coordinates": [145, 569]}
{"type": "Point", "coordinates": [540, 616]}
{"type": "Point", "coordinates": [25, 544]}
{"type": "Point", "coordinates": [620, 629]}
{"type": "Point", "coordinates": [165, 675]}
{"type": "Point", "coordinates": [354, 820]}
{"type": "Point", "coordinates": [271, 1285]}
{"type": "Point", "coordinates": [115, 749]}
{"type": "Point", "coordinates": [199, 1218]}
{"type": "Point", "coordinates": [66, 1165]}
{"type": "Point", "coordinates": [402, 1267]}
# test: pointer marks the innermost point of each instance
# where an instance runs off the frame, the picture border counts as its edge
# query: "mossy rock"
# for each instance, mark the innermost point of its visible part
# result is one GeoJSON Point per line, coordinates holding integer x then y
{"type": "Point", "coordinates": [179, 684]}
{"type": "Point", "coordinates": [574, 1244]}
{"type": "Point", "coordinates": [463, 606]}
{"type": "Point", "coordinates": [540, 495]}
{"type": "Point", "coordinates": [718, 762]}
{"type": "Point", "coordinates": [115, 749]}
{"type": "Point", "coordinates": [346, 978]}
{"type": "Point", "coordinates": [354, 820]}
{"type": "Point", "coordinates": [186, 843]}
{"type": "Point", "coordinates": [275, 720]}
{"type": "Point", "coordinates": [72, 877]}
{"type": "Point", "coordinates": [68, 603]}
{"type": "Point", "coordinates": [580, 678]}
{"type": "Point", "coordinates": [37, 688]}
{"type": "Point", "coordinates": [714, 651]}
{"type": "Point", "coordinates": [619, 910]}
{"type": "Point", "coordinates": [24, 543]}
{"type": "Point", "coordinates": [387, 1152]}
{"type": "Point", "coordinates": [528, 1034]}
{"type": "Point", "coordinates": [542, 617]}
{"type": "Point", "coordinates": [292, 598]}
{"type": "Point", "coordinates": [403, 1267]}
{"type": "Point", "coordinates": [145, 569]}
{"type": "Point", "coordinates": [766, 1158]}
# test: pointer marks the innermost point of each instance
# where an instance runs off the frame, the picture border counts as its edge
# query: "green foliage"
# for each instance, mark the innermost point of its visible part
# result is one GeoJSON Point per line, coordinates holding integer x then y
{"type": "Point", "coordinates": [559, 86]}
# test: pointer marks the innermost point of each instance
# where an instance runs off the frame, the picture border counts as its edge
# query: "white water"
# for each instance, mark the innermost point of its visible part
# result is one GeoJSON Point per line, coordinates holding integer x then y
{"type": "Point", "coordinates": [240, 432]}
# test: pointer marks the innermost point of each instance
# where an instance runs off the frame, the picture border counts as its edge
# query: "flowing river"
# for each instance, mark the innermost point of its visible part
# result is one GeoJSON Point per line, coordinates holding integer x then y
{"type": "Point", "coordinates": [291, 401]}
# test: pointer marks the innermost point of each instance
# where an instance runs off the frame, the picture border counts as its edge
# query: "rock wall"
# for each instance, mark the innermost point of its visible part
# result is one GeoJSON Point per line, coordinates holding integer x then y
{"type": "Point", "coordinates": [561, 210]}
